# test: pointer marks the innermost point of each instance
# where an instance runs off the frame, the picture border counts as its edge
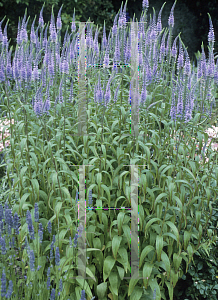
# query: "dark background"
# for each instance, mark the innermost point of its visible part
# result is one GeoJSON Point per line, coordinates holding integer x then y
{"type": "Point", "coordinates": [192, 13]}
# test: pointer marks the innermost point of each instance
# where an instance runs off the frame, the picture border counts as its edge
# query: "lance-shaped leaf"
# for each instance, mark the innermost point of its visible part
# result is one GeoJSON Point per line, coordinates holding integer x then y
{"type": "Point", "coordinates": [159, 246]}
{"type": "Point", "coordinates": [147, 269]}
{"type": "Point", "coordinates": [116, 244]}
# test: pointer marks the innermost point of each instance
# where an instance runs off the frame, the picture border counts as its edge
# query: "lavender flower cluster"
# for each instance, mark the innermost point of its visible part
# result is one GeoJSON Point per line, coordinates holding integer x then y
{"type": "Point", "coordinates": [116, 48]}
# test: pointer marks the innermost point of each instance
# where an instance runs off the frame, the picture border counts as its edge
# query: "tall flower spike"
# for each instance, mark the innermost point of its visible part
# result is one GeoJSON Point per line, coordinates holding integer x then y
{"type": "Point", "coordinates": [180, 58]}
{"type": "Point", "coordinates": [53, 294]}
{"type": "Point", "coordinates": [171, 17]}
{"type": "Point", "coordinates": [23, 33]}
{"type": "Point", "coordinates": [57, 257]}
{"type": "Point", "coordinates": [75, 240]}
{"type": "Point", "coordinates": [107, 94]}
{"type": "Point", "coordinates": [49, 227]}
{"type": "Point", "coordinates": [33, 34]}
{"type": "Point", "coordinates": [116, 93]}
{"type": "Point", "coordinates": [5, 38]}
{"type": "Point", "coordinates": [3, 285]}
{"type": "Point", "coordinates": [30, 224]}
{"type": "Point", "coordinates": [80, 230]}
{"type": "Point", "coordinates": [174, 48]}
{"type": "Point", "coordinates": [145, 4]}
{"type": "Point", "coordinates": [41, 21]}
{"type": "Point", "coordinates": [159, 24]}
{"type": "Point", "coordinates": [180, 103]}
{"type": "Point", "coordinates": [114, 28]}
{"type": "Point", "coordinates": [9, 219]}
{"type": "Point", "coordinates": [211, 36]}
{"type": "Point", "coordinates": [73, 25]}
{"type": "Point", "coordinates": [1, 34]}
{"type": "Point", "coordinates": [32, 260]}
{"type": "Point", "coordinates": [3, 245]}
{"type": "Point", "coordinates": [187, 67]}
{"type": "Point", "coordinates": [90, 197]}
{"type": "Point", "coordinates": [36, 213]}
{"type": "Point", "coordinates": [47, 103]}
{"type": "Point", "coordinates": [59, 23]}
{"type": "Point", "coordinates": [83, 294]}
{"type": "Point", "coordinates": [16, 223]}
{"type": "Point", "coordinates": [49, 279]}
{"type": "Point", "coordinates": [10, 290]}
{"type": "Point", "coordinates": [40, 233]}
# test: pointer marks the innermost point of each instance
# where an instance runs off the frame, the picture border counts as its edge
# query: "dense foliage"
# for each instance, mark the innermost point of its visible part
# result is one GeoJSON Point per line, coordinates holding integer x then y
{"type": "Point", "coordinates": [66, 109]}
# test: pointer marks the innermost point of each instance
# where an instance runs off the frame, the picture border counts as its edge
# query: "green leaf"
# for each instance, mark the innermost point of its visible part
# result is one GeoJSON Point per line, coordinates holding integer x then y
{"type": "Point", "coordinates": [66, 192]}
{"type": "Point", "coordinates": [101, 290]}
{"type": "Point", "coordinates": [124, 258]}
{"type": "Point", "coordinates": [121, 272]}
{"type": "Point", "coordinates": [120, 219]}
{"type": "Point", "coordinates": [35, 186]}
{"type": "Point", "coordinates": [145, 252]}
{"type": "Point", "coordinates": [22, 144]}
{"type": "Point", "coordinates": [108, 266]}
{"type": "Point", "coordinates": [176, 261]}
{"type": "Point", "coordinates": [151, 222]}
{"type": "Point", "coordinates": [198, 217]}
{"type": "Point", "coordinates": [159, 246]}
{"type": "Point", "coordinates": [187, 236]}
{"type": "Point", "coordinates": [166, 261]}
{"type": "Point", "coordinates": [104, 187]}
{"type": "Point", "coordinates": [137, 293]}
{"type": "Point", "coordinates": [113, 279]}
{"type": "Point", "coordinates": [175, 230]}
{"type": "Point", "coordinates": [23, 199]}
{"type": "Point", "coordinates": [116, 244]}
{"type": "Point", "coordinates": [147, 269]}
{"type": "Point", "coordinates": [58, 208]}
{"type": "Point", "coordinates": [132, 284]}
{"type": "Point", "coordinates": [170, 289]}
{"type": "Point", "coordinates": [158, 199]}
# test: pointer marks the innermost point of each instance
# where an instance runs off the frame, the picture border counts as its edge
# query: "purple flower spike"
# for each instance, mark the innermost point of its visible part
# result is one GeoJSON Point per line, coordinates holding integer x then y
{"type": "Point", "coordinates": [40, 233]}
{"type": "Point", "coordinates": [59, 23]}
{"type": "Point", "coordinates": [83, 294]}
{"type": "Point", "coordinates": [32, 260]}
{"type": "Point", "coordinates": [75, 240]}
{"type": "Point", "coordinates": [57, 257]}
{"type": "Point", "coordinates": [16, 223]}
{"type": "Point", "coordinates": [73, 25]}
{"type": "Point", "coordinates": [41, 21]}
{"type": "Point", "coordinates": [211, 36]}
{"type": "Point", "coordinates": [3, 245]}
{"type": "Point", "coordinates": [30, 224]}
{"type": "Point", "coordinates": [3, 286]}
{"type": "Point", "coordinates": [171, 17]}
{"type": "Point", "coordinates": [10, 290]}
{"type": "Point", "coordinates": [145, 4]}
{"type": "Point", "coordinates": [36, 213]}
{"type": "Point", "coordinates": [53, 294]}
{"type": "Point", "coordinates": [49, 227]}
{"type": "Point", "coordinates": [80, 230]}
{"type": "Point", "coordinates": [33, 34]}
{"type": "Point", "coordinates": [90, 197]}
{"type": "Point", "coordinates": [49, 278]}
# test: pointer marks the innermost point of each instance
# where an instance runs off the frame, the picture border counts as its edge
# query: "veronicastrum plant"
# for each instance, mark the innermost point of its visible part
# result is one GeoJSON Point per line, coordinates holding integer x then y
{"type": "Point", "coordinates": [39, 211]}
